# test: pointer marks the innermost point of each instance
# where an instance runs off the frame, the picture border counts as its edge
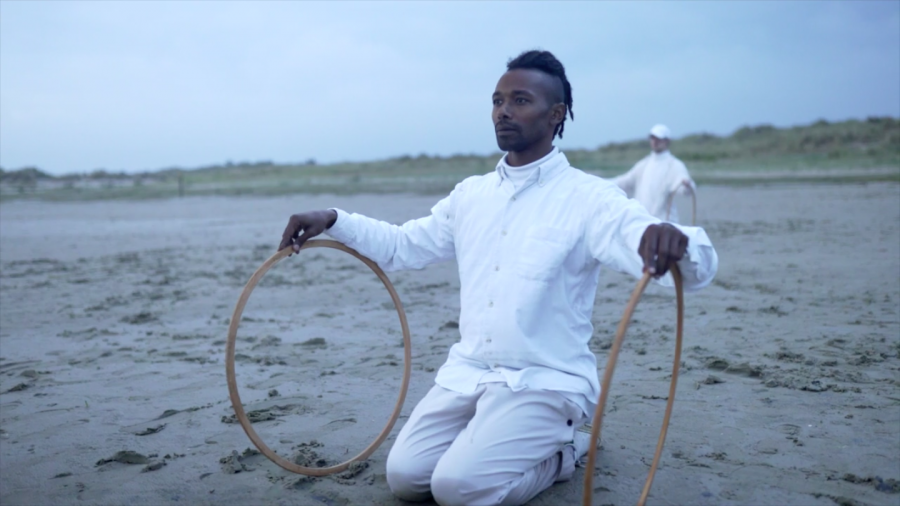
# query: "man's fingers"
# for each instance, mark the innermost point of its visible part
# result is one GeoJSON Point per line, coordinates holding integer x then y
{"type": "Point", "coordinates": [285, 242]}
{"type": "Point", "coordinates": [675, 251]}
{"type": "Point", "coordinates": [661, 246]}
{"type": "Point", "coordinates": [650, 246]}
{"type": "Point", "coordinates": [305, 236]}
{"type": "Point", "coordinates": [667, 253]}
{"type": "Point", "coordinates": [290, 232]}
{"type": "Point", "coordinates": [662, 257]}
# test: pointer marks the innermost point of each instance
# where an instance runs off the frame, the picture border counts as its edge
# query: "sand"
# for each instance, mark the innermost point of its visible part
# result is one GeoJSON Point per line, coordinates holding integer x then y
{"type": "Point", "coordinates": [113, 318]}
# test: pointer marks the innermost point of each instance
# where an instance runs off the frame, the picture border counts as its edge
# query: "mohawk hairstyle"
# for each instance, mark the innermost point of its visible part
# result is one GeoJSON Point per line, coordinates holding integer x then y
{"type": "Point", "coordinates": [545, 62]}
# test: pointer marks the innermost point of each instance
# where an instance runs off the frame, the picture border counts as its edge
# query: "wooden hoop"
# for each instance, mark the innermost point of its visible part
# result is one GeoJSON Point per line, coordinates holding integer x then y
{"type": "Point", "coordinates": [607, 379]}
{"type": "Point", "coordinates": [693, 203]}
{"type": "Point", "coordinates": [232, 381]}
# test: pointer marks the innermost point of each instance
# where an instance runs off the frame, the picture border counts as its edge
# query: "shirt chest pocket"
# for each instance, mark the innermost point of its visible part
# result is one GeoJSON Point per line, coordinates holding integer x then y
{"type": "Point", "coordinates": [542, 253]}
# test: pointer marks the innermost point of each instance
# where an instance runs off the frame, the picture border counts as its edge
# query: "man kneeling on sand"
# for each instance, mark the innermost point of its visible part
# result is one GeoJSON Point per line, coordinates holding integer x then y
{"type": "Point", "coordinates": [501, 423]}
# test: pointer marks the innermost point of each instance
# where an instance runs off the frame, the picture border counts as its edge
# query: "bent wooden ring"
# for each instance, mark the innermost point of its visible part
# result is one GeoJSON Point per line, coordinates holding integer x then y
{"type": "Point", "coordinates": [607, 379]}
{"type": "Point", "coordinates": [232, 381]}
{"type": "Point", "coordinates": [672, 202]}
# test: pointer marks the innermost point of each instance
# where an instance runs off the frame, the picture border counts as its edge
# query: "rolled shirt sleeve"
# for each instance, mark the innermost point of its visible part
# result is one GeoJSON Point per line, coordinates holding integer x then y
{"type": "Point", "coordinates": [614, 235]}
{"type": "Point", "coordinates": [680, 174]}
{"type": "Point", "coordinates": [413, 245]}
{"type": "Point", "coordinates": [700, 264]}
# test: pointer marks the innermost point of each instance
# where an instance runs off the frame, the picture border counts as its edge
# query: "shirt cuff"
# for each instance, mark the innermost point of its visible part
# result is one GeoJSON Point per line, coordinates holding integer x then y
{"type": "Point", "coordinates": [700, 262]}
{"type": "Point", "coordinates": [696, 237]}
{"type": "Point", "coordinates": [342, 230]}
{"type": "Point", "coordinates": [684, 190]}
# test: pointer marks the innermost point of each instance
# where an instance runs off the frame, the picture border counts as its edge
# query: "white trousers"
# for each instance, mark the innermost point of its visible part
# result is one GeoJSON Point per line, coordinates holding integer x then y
{"type": "Point", "coordinates": [493, 446]}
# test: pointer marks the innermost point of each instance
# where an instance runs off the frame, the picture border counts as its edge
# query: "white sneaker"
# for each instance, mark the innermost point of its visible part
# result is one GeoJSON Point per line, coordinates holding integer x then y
{"type": "Point", "coordinates": [582, 444]}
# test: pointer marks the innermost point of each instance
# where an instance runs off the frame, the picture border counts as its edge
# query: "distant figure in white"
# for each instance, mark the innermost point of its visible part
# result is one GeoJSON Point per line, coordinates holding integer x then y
{"type": "Point", "coordinates": [655, 179]}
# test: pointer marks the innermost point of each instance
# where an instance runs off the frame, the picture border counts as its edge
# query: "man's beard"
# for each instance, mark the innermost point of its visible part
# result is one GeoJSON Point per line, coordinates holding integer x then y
{"type": "Point", "coordinates": [516, 142]}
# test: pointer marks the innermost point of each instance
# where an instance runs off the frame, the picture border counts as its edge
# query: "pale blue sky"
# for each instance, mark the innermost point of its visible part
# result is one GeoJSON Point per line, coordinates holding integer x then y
{"type": "Point", "coordinates": [145, 85]}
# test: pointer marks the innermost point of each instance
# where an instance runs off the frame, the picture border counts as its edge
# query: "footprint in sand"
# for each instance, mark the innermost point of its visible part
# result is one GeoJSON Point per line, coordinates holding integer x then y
{"type": "Point", "coordinates": [124, 457]}
{"type": "Point", "coordinates": [140, 318]}
{"type": "Point", "coordinates": [240, 462]}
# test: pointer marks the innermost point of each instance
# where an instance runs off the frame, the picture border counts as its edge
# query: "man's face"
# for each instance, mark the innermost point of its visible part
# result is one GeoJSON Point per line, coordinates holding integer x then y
{"type": "Point", "coordinates": [523, 115]}
{"type": "Point", "coordinates": [658, 145]}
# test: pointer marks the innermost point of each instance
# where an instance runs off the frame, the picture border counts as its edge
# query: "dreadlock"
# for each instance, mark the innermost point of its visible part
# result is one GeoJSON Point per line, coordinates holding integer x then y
{"type": "Point", "coordinates": [545, 62]}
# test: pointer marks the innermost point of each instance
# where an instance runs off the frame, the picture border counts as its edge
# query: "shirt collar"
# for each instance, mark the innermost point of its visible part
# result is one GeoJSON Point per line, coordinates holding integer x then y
{"type": "Point", "coordinates": [545, 168]}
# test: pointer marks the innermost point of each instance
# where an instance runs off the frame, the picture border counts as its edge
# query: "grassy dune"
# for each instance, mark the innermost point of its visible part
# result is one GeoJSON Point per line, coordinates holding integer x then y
{"type": "Point", "coordinates": [848, 151]}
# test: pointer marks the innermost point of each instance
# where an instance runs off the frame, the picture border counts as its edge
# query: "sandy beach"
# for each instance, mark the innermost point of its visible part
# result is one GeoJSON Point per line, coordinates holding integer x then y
{"type": "Point", "coordinates": [113, 317]}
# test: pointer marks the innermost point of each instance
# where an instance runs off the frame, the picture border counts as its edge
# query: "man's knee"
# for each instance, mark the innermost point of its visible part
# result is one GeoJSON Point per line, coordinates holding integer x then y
{"type": "Point", "coordinates": [448, 488]}
{"type": "Point", "coordinates": [406, 480]}
{"type": "Point", "coordinates": [459, 485]}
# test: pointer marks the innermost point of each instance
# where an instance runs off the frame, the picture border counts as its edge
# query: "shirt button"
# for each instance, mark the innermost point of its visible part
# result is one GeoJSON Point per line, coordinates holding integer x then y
{"type": "Point", "coordinates": [513, 198]}
{"type": "Point", "coordinates": [487, 340]}
{"type": "Point", "coordinates": [503, 233]}
{"type": "Point", "coordinates": [496, 366]}
{"type": "Point", "coordinates": [491, 304]}
{"type": "Point", "coordinates": [496, 267]}
{"type": "Point", "coordinates": [541, 182]}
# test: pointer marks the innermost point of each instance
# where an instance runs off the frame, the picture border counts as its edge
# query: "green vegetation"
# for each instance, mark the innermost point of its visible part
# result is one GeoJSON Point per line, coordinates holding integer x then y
{"type": "Point", "coordinates": [848, 151]}
{"type": "Point", "coordinates": [852, 144]}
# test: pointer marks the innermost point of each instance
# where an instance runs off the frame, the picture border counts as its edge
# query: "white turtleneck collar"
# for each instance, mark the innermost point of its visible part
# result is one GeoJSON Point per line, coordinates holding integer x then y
{"type": "Point", "coordinates": [519, 175]}
{"type": "Point", "coordinates": [659, 156]}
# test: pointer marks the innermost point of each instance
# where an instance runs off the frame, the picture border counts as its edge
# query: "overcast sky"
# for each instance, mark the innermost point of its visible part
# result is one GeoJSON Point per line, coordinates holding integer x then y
{"type": "Point", "coordinates": [145, 85]}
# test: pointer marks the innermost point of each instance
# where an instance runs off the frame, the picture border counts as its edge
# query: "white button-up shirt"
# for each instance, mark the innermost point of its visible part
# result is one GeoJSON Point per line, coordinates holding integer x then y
{"type": "Point", "coordinates": [529, 263]}
{"type": "Point", "coordinates": [653, 180]}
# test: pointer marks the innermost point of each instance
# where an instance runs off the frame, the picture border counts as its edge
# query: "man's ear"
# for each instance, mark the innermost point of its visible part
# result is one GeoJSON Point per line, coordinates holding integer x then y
{"type": "Point", "coordinates": [557, 113]}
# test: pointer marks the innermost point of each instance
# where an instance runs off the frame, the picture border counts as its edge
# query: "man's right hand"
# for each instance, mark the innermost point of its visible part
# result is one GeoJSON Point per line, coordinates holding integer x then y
{"type": "Point", "coordinates": [311, 224]}
{"type": "Point", "coordinates": [661, 246]}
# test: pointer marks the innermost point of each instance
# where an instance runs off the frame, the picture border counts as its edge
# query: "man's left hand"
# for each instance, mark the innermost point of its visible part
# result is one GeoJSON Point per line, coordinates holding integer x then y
{"type": "Point", "coordinates": [661, 246]}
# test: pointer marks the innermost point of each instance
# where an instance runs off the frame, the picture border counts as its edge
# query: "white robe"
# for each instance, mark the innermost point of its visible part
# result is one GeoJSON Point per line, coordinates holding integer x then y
{"type": "Point", "coordinates": [653, 179]}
